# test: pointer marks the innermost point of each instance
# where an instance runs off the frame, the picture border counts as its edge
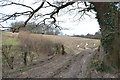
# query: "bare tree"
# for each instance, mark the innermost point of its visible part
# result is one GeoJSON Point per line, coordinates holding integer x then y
{"type": "Point", "coordinates": [107, 14]}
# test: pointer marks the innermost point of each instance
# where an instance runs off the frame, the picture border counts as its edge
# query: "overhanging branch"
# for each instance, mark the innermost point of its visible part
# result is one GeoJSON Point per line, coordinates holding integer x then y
{"type": "Point", "coordinates": [11, 3]}
{"type": "Point", "coordinates": [51, 14]}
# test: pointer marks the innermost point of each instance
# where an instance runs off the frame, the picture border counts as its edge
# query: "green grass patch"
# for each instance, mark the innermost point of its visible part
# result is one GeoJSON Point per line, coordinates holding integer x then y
{"type": "Point", "coordinates": [67, 48]}
{"type": "Point", "coordinates": [97, 45]}
{"type": "Point", "coordinates": [16, 70]}
{"type": "Point", "coordinates": [11, 41]}
{"type": "Point", "coordinates": [22, 68]}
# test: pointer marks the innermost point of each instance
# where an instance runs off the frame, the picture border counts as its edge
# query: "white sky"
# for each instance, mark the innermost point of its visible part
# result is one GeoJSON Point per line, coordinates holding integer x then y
{"type": "Point", "coordinates": [84, 26]}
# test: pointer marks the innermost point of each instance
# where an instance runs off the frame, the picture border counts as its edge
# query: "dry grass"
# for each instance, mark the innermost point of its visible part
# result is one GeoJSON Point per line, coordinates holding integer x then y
{"type": "Point", "coordinates": [72, 42]}
{"type": "Point", "coordinates": [38, 44]}
{"type": "Point", "coordinates": [69, 42]}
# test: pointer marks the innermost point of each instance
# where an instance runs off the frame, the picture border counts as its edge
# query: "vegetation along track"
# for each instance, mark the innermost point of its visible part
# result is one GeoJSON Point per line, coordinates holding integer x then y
{"type": "Point", "coordinates": [63, 66]}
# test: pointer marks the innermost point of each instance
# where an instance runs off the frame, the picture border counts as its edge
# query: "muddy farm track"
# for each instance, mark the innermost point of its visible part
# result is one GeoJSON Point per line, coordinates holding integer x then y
{"type": "Point", "coordinates": [64, 66]}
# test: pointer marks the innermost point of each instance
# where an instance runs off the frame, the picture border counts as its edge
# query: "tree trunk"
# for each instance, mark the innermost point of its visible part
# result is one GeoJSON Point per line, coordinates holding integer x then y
{"type": "Point", "coordinates": [25, 58]}
{"type": "Point", "coordinates": [63, 50]}
{"type": "Point", "coordinates": [110, 30]}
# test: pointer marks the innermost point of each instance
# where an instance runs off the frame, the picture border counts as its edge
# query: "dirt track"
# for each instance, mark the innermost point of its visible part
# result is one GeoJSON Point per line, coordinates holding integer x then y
{"type": "Point", "coordinates": [68, 66]}
{"type": "Point", "coordinates": [79, 66]}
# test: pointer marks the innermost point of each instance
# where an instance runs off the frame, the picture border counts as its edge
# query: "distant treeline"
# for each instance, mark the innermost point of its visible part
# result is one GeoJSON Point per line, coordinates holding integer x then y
{"type": "Point", "coordinates": [34, 28]}
{"type": "Point", "coordinates": [97, 35]}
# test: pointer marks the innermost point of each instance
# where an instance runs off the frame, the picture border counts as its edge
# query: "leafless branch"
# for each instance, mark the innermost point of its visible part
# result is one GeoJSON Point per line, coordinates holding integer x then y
{"type": "Point", "coordinates": [51, 14]}
{"type": "Point", "coordinates": [3, 26]}
{"type": "Point", "coordinates": [14, 15]}
{"type": "Point", "coordinates": [34, 13]}
{"type": "Point", "coordinates": [52, 5]}
{"type": "Point", "coordinates": [58, 9]}
{"type": "Point", "coordinates": [17, 4]}
{"type": "Point", "coordinates": [82, 14]}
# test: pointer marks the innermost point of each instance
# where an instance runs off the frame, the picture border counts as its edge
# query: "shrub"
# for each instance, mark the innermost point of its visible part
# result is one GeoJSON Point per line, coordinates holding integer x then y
{"type": "Point", "coordinates": [30, 44]}
{"type": "Point", "coordinates": [42, 44]}
{"type": "Point", "coordinates": [25, 44]}
{"type": "Point", "coordinates": [97, 64]}
{"type": "Point", "coordinates": [6, 50]}
{"type": "Point", "coordinates": [38, 44]}
{"type": "Point", "coordinates": [25, 40]}
{"type": "Point", "coordinates": [59, 48]}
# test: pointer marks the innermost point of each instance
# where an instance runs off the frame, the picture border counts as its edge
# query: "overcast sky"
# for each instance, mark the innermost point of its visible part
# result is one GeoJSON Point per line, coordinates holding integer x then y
{"type": "Point", "coordinates": [70, 21]}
